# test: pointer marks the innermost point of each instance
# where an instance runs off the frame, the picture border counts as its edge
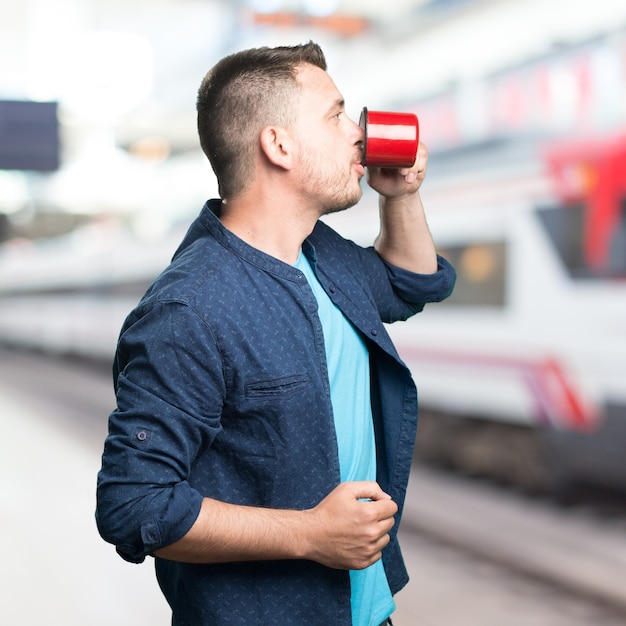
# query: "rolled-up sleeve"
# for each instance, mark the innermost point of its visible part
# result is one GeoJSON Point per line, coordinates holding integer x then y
{"type": "Point", "coordinates": [396, 293]}
{"type": "Point", "coordinates": [399, 293]}
{"type": "Point", "coordinates": [144, 499]}
{"type": "Point", "coordinates": [423, 288]}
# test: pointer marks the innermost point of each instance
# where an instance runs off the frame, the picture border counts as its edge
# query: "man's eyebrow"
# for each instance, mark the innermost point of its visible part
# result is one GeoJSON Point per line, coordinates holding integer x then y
{"type": "Point", "coordinates": [339, 103]}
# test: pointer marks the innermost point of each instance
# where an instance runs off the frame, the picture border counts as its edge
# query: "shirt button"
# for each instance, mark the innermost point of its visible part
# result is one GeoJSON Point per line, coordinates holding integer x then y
{"type": "Point", "coordinates": [374, 332]}
{"type": "Point", "coordinates": [332, 288]}
{"type": "Point", "coordinates": [142, 435]}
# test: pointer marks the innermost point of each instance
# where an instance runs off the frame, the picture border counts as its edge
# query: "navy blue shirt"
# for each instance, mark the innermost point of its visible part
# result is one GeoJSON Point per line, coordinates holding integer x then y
{"type": "Point", "coordinates": [222, 391]}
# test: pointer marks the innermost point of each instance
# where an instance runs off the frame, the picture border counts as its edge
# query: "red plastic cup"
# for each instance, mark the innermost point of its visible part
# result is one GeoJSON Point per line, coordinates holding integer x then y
{"type": "Point", "coordinates": [391, 139]}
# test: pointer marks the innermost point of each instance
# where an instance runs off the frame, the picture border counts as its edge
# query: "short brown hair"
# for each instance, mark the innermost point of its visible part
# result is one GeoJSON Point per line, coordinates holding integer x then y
{"type": "Point", "coordinates": [239, 96]}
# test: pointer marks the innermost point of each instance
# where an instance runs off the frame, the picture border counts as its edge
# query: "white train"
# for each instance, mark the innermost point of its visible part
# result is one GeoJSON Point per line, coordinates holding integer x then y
{"type": "Point", "coordinates": [535, 334]}
{"type": "Point", "coordinates": [522, 372]}
{"type": "Point", "coordinates": [70, 295]}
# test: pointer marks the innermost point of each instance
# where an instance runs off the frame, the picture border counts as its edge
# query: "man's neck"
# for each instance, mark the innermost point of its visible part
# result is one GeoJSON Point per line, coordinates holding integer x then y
{"type": "Point", "coordinates": [274, 229]}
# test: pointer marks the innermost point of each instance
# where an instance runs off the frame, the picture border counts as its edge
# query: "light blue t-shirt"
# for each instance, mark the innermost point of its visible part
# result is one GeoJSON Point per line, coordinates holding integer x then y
{"type": "Point", "coordinates": [349, 374]}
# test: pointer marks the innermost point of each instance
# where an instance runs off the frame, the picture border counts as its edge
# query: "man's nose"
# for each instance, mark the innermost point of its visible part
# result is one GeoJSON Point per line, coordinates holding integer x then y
{"type": "Point", "coordinates": [359, 132]}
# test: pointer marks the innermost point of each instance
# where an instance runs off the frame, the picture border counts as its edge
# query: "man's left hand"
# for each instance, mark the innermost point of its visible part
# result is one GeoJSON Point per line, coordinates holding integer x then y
{"type": "Point", "coordinates": [392, 183]}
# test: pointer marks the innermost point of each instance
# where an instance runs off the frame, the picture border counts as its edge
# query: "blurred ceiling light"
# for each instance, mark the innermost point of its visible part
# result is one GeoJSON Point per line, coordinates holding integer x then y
{"type": "Point", "coordinates": [13, 191]}
{"type": "Point", "coordinates": [265, 6]}
{"type": "Point", "coordinates": [102, 180]}
{"type": "Point", "coordinates": [316, 8]}
{"type": "Point", "coordinates": [321, 8]}
{"type": "Point", "coordinates": [107, 74]}
{"type": "Point", "coordinates": [151, 149]}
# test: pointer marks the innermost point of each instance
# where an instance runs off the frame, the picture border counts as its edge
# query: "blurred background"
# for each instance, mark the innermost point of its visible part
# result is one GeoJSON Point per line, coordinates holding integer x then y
{"type": "Point", "coordinates": [521, 373]}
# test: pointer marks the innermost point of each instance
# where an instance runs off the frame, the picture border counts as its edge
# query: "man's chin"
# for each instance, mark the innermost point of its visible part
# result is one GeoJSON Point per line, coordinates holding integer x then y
{"type": "Point", "coordinates": [347, 204]}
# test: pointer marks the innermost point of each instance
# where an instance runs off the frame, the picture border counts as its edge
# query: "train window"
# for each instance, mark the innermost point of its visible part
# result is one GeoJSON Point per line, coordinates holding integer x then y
{"type": "Point", "coordinates": [588, 248]}
{"type": "Point", "coordinates": [564, 227]}
{"type": "Point", "coordinates": [617, 251]}
{"type": "Point", "coordinates": [481, 274]}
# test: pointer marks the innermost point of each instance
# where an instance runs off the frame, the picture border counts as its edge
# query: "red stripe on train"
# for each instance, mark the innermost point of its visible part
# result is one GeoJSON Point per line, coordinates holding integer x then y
{"type": "Point", "coordinates": [556, 398]}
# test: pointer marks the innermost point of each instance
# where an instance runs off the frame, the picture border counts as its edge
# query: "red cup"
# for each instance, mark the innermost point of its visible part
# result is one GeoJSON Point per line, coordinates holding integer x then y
{"type": "Point", "coordinates": [391, 139]}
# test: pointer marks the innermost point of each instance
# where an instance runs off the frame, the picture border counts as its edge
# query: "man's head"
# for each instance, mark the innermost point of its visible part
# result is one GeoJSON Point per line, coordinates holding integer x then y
{"type": "Point", "coordinates": [241, 95]}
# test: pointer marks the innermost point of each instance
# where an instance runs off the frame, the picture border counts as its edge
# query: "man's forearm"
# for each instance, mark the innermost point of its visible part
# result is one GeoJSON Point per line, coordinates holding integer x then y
{"type": "Point", "coordinates": [226, 532]}
{"type": "Point", "coordinates": [343, 531]}
{"type": "Point", "coordinates": [404, 239]}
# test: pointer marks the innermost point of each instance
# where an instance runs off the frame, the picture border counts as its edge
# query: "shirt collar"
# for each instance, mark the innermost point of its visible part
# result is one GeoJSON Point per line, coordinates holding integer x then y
{"type": "Point", "coordinates": [209, 218]}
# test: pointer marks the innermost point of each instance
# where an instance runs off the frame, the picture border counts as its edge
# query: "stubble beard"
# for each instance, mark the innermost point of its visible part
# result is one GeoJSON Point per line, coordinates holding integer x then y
{"type": "Point", "coordinates": [335, 193]}
{"type": "Point", "coordinates": [342, 204]}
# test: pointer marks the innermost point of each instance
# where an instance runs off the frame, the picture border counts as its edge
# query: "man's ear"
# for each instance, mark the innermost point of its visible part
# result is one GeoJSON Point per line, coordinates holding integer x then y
{"type": "Point", "coordinates": [277, 145]}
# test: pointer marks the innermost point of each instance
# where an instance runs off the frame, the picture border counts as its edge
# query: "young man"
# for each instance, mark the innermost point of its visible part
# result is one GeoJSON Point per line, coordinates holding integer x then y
{"type": "Point", "coordinates": [264, 428]}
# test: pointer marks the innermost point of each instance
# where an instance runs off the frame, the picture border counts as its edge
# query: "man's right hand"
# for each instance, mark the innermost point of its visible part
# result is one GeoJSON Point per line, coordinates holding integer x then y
{"type": "Point", "coordinates": [350, 527]}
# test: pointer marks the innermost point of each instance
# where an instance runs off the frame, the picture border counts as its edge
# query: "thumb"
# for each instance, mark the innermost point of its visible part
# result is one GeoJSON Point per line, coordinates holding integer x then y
{"type": "Point", "coordinates": [369, 490]}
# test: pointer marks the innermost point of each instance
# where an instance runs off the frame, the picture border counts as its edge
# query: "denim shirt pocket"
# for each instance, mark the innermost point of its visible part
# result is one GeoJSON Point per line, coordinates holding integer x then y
{"type": "Point", "coordinates": [276, 387]}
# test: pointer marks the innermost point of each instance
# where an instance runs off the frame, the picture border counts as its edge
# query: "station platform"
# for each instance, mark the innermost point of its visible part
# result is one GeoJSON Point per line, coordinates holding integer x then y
{"type": "Point", "coordinates": [505, 561]}
{"type": "Point", "coordinates": [55, 567]}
